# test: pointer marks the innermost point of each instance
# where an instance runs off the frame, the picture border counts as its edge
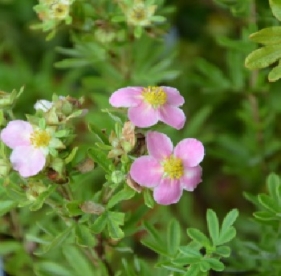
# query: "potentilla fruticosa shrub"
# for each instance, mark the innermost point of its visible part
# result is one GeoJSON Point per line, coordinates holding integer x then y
{"type": "Point", "coordinates": [103, 178]}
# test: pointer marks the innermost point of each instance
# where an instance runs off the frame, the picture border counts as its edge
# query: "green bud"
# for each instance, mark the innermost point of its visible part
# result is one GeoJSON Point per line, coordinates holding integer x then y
{"type": "Point", "coordinates": [117, 177]}
{"type": "Point", "coordinates": [34, 189]}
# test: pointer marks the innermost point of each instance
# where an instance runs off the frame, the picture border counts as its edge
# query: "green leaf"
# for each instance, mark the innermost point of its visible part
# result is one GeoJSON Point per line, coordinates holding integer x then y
{"type": "Point", "coordinates": [215, 264]}
{"type": "Point", "coordinates": [153, 232]}
{"type": "Point", "coordinates": [227, 235]}
{"type": "Point", "coordinates": [148, 199]}
{"type": "Point", "coordinates": [50, 268]}
{"type": "Point", "coordinates": [267, 36]}
{"type": "Point", "coordinates": [275, 74]}
{"type": "Point", "coordinates": [229, 220]}
{"type": "Point", "coordinates": [78, 261]}
{"type": "Point", "coordinates": [157, 247]}
{"type": "Point", "coordinates": [263, 57]}
{"type": "Point", "coordinates": [6, 206]}
{"type": "Point", "coordinates": [123, 195]}
{"type": "Point", "coordinates": [213, 225]}
{"type": "Point", "coordinates": [188, 251]}
{"type": "Point", "coordinates": [268, 203]}
{"type": "Point", "coordinates": [56, 242]}
{"type": "Point", "coordinates": [204, 266]}
{"type": "Point", "coordinates": [265, 216]}
{"type": "Point", "coordinates": [223, 251]}
{"type": "Point", "coordinates": [98, 133]}
{"type": "Point", "coordinates": [100, 157]}
{"type": "Point", "coordinates": [198, 236]}
{"type": "Point", "coordinates": [115, 219]}
{"type": "Point", "coordinates": [71, 156]}
{"type": "Point", "coordinates": [173, 236]}
{"type": "Point", "coordinates": [273, 184]}
{"type": "Point", "coordinates": [84, 237]}
{"type": "Point", "coordinates": [99, 223]}
{"type": "Point", "coordinates": [73, 208]}
{"type": "Point", "coordinates": [171, 267]}
{"type": "Point", "coordinates": [275, 6]}
{"type": "Point", "coordinates": [8, 247]}
{"type": "Point", "coordinates": [193, 270]}
{"type": "Point", "coordinates": [38, 203]}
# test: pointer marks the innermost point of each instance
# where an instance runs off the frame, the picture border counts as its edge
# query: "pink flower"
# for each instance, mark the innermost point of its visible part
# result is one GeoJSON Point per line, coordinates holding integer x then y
{"type": "Point", "coordinates": [30, 146]}
{"type": "Point", "coordinates": [149, 105]}
{"type": "Point", "coordinates": [169, 171]}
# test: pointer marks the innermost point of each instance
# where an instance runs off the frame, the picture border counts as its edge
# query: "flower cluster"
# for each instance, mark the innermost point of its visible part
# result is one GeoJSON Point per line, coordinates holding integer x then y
{"type": "Point", "coordinates": [139, 14]}
{"type": "Point", "coordinates": [52, 12]}
{"type": "Point", "coordinates": [35, 143]}
{"type": "Point", "coordinates": [166, 170]}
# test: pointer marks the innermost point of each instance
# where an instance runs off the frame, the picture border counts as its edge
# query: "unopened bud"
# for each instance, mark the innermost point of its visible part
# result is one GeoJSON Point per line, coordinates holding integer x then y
{"type": "Point", "coordinates": [117, 177]}
{"type": "Point", "coordinates": [86, 165]}
{"type": "Point", "coordinates": [34, 190]}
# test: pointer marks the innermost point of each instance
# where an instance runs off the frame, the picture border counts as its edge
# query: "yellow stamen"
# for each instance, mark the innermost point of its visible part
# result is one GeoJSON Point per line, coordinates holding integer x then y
{"type": "Point", "coordinates": [173, 167]}
{"type": "Point", "coordinates": [154, 95]}
{"type": "Point", "coordinates": [40, 138]}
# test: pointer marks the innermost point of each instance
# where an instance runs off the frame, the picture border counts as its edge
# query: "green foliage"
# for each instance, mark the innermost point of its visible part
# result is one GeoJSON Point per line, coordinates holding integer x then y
{"type": "Point", "coordinates": [188, 259]}
{"type": "Point", "coordinates": [271, 52]}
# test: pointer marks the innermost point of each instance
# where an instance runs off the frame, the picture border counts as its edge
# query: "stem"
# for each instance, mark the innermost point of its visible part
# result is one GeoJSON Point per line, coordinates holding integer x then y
{"type": "Point", "coordinates": [251, 96]}
{"type": "Point", "coordinates": [15, 225]}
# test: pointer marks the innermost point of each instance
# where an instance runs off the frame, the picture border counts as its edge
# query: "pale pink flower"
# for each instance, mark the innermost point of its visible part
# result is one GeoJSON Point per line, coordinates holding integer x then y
{"type": "Point", "coordinates": [149, 105]}
{"type": "Point", "coordinates": [169, 171]}
{"type": "Point", "coordinates": [30, 146]}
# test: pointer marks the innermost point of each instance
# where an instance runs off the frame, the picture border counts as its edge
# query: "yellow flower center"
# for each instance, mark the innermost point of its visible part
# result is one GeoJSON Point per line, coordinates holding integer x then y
{"type": "Point", "coordinates": [40, 138]}
{"type": "Point", "coordinates": [60, 11]}
{"type": "Point", "coordinates": [154, 95]}
{"type": "Point", "coordinates": [173, 167]}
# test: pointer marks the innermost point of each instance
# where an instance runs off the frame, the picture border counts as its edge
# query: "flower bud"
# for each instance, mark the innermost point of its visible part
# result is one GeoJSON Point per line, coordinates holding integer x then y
{"type": "Point", "coordinates": [34, 189]}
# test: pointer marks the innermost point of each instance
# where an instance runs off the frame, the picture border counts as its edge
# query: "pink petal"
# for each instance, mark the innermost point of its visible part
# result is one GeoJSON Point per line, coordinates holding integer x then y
{"type": "Point", "coordinates": [146, 171]}
{"type": "Point", "coordinates": [167, 192]}
{"type": "Point", "coordinates": [17, 133]}
{"type": "Point", "coordinates": [191, 151]}
{"type": "Point", "coordinates": [159, 145]}
{"type": "Point", "coordinates": [172, 116]}
{"type": "Point", "coordinates": [191, 178]}
{"type": "Point", "coordinates": [143, 115]}
{"type": "Point", "coordinates": [174, 96]}
{"type": "Point", "coordinates": [126, 97]}
{"type": "Point", "coordinates": [27, 160]}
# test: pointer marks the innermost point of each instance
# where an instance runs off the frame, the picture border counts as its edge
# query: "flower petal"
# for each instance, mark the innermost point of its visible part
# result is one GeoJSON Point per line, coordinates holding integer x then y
{"type": "Point", "coordinates": [191, 151]}
{"type": "Point", "coordinates": [28, 161]}
{"type": "Point", "coordinates": [172, 116]}
{"type": "Point", "coordinates": [143, 115]}
{"type": "Point", "coordinates": [174, 96]}
{"type": "Point", "coordinates": [167, 192]}
{"type": "Point", "coordinates": [191, 178]}
{"type": "Point", "coordinates": [159, 145]}
{"type": "Point", "coordinates": [126, 97]}
{"type": "Point", "coordinates": [17, 133]}
{"type": "Point", "coordinates": [146, 171]}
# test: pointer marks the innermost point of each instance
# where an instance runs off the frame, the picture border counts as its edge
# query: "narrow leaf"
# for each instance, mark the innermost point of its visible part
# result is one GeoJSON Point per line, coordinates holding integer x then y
{"type": "Point", "coordinates": [213, 225]}
{"type": "Point", "coordinates": [173, 237]}
{"type": "Point", "coordinates": [229, 220]}
{"type": "Point", "coordinates": [263, 57]}
{"type": "Point", "coordinates": [198, 236]}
